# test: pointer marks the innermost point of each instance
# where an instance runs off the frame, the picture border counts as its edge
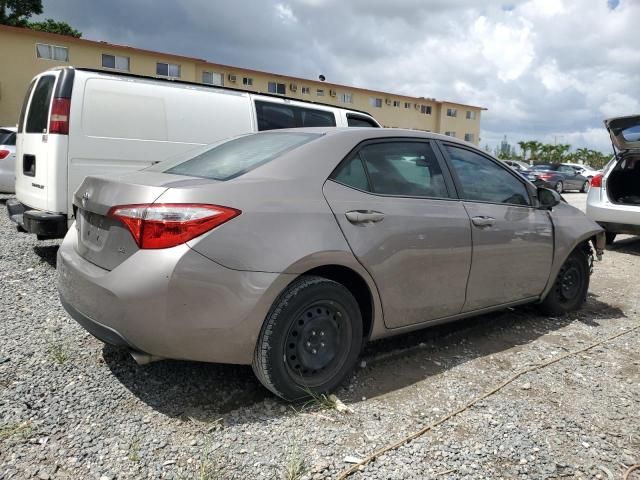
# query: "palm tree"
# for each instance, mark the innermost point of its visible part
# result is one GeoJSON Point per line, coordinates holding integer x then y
{"type": "Point", "coordinates": [524, 146]}
{"type": "Point", "coordinates": [534, 149]}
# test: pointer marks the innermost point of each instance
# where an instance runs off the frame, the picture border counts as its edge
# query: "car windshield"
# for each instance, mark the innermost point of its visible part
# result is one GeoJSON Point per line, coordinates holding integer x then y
{"type": "Point", "coordinates": [232, 158]}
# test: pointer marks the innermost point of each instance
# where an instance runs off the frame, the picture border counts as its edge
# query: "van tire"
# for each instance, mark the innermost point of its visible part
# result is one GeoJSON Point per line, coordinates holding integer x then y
{"type": "Point", "coordinates": [290, 358]}
{"type": "Point", "coordinates": [609, 237]}
{"type": "Point", "coordinates": [569, 291]}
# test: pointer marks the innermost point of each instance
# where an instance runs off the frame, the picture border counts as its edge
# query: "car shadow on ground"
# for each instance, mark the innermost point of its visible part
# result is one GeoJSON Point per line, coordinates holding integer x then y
{"type": "Point", "coordinates": [629, 245]}
{"type": "Point", "coordinates": [208, 392]}
{"type": "Point", "coordinates": [47, 253]}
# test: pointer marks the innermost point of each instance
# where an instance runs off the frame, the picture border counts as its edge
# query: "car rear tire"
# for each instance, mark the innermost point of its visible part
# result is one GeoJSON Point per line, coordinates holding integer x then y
{"type": "Point", "coordinates": [609, 237]}
{"type": "Point", "coordinates": [570, 288]}
{"type": "Point", "coordinates": [585, 187]}
{"type": "Point", "coordinates": [310, 339]}
{"type": "Point", "coordinates": [559, 187]}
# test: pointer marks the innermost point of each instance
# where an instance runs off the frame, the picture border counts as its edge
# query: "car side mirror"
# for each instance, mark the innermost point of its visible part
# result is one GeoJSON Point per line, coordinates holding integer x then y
{"type": "Point", "coordinates": [547, 198]}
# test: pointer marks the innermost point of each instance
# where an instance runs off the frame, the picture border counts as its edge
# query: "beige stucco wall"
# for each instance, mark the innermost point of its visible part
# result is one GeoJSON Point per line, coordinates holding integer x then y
{"type": "Point", "coordinates": [18, 53]}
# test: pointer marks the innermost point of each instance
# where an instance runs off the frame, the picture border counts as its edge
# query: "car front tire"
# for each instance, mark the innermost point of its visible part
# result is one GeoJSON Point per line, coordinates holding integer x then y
{"type": "Point", "coordinates": [570, 288]}
{"type": "Point", "coordinates": [310, 340]}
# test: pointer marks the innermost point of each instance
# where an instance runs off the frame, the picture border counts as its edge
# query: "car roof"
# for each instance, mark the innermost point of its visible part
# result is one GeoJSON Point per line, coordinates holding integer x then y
{"type": "Point", "coordinates": [363, 133]}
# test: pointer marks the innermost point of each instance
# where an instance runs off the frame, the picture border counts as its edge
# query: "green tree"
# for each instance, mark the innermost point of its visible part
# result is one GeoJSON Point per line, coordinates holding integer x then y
{"type": "Point", "coordinates": [17, 12]}
{"type": "Point", "coordinates": [52, 26]}
{"type": "Point", "coordinates": [524, 147]}
{"type": "Point", "coordinates": [534, 148]}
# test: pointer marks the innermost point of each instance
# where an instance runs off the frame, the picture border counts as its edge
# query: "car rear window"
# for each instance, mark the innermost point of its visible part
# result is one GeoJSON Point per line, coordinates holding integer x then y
{"type": "Point", "coordinates": [38, 117]}
{"type": "Point", "coordinates": [235, 157]}
{"type": "Point", "coordinates": [7, 137]}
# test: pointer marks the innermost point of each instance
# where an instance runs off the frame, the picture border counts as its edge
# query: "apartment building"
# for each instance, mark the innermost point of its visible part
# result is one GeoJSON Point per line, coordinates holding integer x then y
{"type": "Point", "coordinates": [25, 53]}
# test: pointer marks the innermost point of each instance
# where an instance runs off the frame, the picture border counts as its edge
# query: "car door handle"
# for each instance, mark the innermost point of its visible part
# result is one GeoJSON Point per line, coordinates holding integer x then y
{"type": "Point", "coordinates": [364, 216]}
{"type": "Point", "coordinates": [483, 221]}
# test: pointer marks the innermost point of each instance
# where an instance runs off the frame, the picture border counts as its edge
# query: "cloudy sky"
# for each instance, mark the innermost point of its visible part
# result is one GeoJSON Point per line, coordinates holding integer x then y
{"type": "Point", "coordinates": [549, 70]}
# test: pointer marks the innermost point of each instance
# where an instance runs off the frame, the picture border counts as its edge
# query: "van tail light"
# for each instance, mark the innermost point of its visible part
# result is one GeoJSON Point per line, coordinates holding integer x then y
{"type": "Point", "coordinates": [4, 154]}
{"type": "Point", "coordinates": [165, 225]}
{"type": "Point", "coordinates": [59, 121]}
{"type": "Point", "coordinates": [596, 181]}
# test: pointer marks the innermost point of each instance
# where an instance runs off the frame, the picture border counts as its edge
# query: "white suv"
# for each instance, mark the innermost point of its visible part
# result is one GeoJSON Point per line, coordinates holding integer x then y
{"type": "Point", "coordinates": [614, 198]}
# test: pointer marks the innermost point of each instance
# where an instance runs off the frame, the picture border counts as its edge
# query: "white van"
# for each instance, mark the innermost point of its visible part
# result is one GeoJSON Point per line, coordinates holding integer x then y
{"type": "Point", "coordinates": [77, 122]}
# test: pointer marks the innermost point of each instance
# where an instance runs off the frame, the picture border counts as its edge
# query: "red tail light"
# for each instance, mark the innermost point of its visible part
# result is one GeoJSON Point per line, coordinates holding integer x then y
{"type": "Point", "coordinates": [4, 154]}
{"type": "Point", "coordinates": [545, 176]}
{"type": "Point", "coordinates": [59, 121]}
{"type": "Point", "coordinates": [165, 225]}
{"type": "Point", "coordinates": [596, 181]}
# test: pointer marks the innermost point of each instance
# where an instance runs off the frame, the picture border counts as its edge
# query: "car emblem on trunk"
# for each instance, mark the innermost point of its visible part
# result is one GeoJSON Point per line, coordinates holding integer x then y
{"type": "Point", "coordinates": [85, 197]}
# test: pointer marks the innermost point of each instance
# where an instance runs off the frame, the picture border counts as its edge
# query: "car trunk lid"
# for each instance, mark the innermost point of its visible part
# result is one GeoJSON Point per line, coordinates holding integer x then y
{"type": "Point", "coordinates": [105, 241]}
{"type": "Point", "coordinates": [624, 132]}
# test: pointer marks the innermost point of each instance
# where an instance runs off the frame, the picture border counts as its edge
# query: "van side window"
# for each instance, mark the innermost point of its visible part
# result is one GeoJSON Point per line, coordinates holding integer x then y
{"type": "Point", "coordinates": [23, 110]}
{"type": "Point", "coordinates": [360, 121]}
{"type": "Point", "coordinates": [38, 117]}
{"type": "Point", "coordinates": [272, 116]}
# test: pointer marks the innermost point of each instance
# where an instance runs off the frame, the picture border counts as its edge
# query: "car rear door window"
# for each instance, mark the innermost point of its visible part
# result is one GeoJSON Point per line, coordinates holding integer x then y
{"type": "Point", "coordinates": [394, 168]}
{"type": "Point", "coordinates": [484, 180]}
{"type": "Point", "coordinates": [273, 116]}
{"type": "Point", "coordinates": [38, 116]}
{"type": "Point", "coordinates": [232, 158]}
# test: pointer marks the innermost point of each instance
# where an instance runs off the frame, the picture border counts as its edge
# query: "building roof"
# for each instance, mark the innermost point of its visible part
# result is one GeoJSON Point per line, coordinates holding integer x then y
{"type": "Point", "coordinates": [70, 39]}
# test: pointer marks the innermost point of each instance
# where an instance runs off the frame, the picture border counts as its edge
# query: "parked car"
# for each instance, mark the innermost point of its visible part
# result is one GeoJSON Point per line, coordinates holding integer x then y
{"type": "Point", "coordinates": [517, 165]}
{"type": "Point", "coordinates": [7, 159]}
{"type": "Point", "coordinates": [558, 177]}
{"type": "Point", "coordinates": [584, 170]}
{"type": "Point", "coordinates": [288, 250]}
{"type": "Point", "coordinates": [614, 199]}
{"type": "Point", "coordinates": [77, 122]}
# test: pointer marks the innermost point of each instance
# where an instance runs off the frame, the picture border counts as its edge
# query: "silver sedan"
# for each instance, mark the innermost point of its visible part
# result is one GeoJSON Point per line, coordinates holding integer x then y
{"type": "Point", "coordinates": [289, 250]}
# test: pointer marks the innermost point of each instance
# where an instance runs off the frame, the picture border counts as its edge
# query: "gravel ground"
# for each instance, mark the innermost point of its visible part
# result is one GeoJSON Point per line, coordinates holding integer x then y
{"type": "Point", "coordinates": [73, 408]}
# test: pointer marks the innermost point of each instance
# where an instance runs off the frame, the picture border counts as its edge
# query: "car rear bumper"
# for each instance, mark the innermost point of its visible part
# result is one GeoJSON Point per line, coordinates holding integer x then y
{"type": "Point", "coordinates": [171, 303]}
{"type": "Point", "coordinates": [612, 217]}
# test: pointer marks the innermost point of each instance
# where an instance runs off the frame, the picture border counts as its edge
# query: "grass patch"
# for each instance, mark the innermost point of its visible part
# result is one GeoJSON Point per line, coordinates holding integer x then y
{"type": "Point", "coordinates": [16, 431]}
{"type": "Point", "coordinates": [296, 466]}
{"type": "Point", "coordinates": [320, 400]}
{"type": "Point", "coordinates": [134, 450]}
{"type": "Point", "coordinates": [58, 352]}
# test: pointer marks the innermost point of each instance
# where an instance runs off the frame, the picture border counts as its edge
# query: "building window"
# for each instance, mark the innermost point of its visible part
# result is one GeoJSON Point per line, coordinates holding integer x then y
{"type": "Point", "coordinates": [452, 112]}
{"type": "Point", "coordinates": [213, 78]}
{"type": "Point", "coordinates": [471, 115]}
{"type": "Point", "coordinates": [115, 61]}
{"type": "Point", "coordinates": [426, 109]}
{"type": "Point", "coordinates": [52, 52]}
{"type": "Point", "coordinates": [320, 92]}
{"type": "Point", "coordinates": [247, 81]}
{"type": "Point", "coordinates": [168, 70]}
{"type": "Point", "coordinates": [279, 88]}
{"type": "Point", "coordinates": [407, 104]}
{"type": "Point", "coordinates": [396, 103]}
{"type": "Point", "coordinates": [375, 102]}
{"type": "Point", "coordinates": [347, 98]}
{"type": "Point", "coordinates": [469, 137]}
{"type": "Point", "coordinates": [306, 91]}
{"type": "Point", "coordinates": [450, 134]}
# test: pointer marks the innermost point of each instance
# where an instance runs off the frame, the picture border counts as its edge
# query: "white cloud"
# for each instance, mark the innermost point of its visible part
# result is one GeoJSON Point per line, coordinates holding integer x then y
{"type": "Point", "coordinates": [285, 13]}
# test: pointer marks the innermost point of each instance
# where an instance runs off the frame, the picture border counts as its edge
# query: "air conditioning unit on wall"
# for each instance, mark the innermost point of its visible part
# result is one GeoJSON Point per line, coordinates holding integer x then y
{"type": "Point", "coordinates": [332, 93]}
{"type": "Point", "coordinates": [232, 78]}
{"type": "Point", "coordinates": [387, 101]}
{"type": "Point", "coordinates": [293, 87]}
{"type": "Point", "coordinates": [417, 106]}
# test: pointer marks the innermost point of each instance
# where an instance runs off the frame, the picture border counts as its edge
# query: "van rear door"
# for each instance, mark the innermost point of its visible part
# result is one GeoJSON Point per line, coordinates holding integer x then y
{"type": "Point", "coordinates": [35, 146]}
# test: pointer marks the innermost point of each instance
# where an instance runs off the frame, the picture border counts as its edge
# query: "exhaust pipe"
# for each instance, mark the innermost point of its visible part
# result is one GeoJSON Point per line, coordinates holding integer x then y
{"type": "Point", "coordinates": [144, 358]}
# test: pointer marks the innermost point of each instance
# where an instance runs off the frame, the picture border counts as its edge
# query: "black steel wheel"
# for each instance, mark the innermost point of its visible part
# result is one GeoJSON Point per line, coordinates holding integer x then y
{"type": "Point", "coordinates": [310, 340]}
{"type": "Point", "coordinates": [569, 291]}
